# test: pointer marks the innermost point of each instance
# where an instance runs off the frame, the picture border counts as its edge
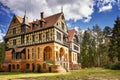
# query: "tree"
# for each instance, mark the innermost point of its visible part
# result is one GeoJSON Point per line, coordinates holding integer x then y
{"type": "Point", "coordinates": [87, 49]}
{"type": "Point", "coordinates": [114, 51]}
{"type": "Point", "coordinates": [2, 52]}
{"type": "Point", "coordinates": [106, 34]}
{"type": "Point", "coordinates": [98, 35]}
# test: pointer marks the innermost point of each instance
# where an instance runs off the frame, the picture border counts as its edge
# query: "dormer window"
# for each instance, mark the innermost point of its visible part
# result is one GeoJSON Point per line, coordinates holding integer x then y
{"type": "Point", "coordinates": [41, 24]}
{"type": "Point", "coordinates": [33, 26]}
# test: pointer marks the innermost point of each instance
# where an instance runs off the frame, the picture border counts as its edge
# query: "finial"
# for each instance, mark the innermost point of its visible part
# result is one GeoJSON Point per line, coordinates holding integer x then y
{"type": "Point", "coordinates": [25, 12]}
{"type": "Point", "coordinates": [61, 8]}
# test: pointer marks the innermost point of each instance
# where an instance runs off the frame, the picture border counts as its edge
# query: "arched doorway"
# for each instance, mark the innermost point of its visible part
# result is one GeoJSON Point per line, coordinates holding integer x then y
{"type": "Point", "coordinates": [33, 67]}
{"type": "Point", "coordinates": [38, 68]}
{"type": "Point", "coordinates": [9, 67]}
{"type": "Point", "coordinates": [62, 54]}
{"type": "Point", "coordinates": [47, 55]}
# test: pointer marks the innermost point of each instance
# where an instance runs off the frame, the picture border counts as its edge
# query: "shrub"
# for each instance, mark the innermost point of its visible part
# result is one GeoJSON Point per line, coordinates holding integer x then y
{"type": "Point", "coordinates": [115, 66]}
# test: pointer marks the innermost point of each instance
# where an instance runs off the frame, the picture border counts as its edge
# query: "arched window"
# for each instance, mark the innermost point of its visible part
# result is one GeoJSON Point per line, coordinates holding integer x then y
{"type": "Point", "coordinates": [13, 66]}
{"type": "Point", "coordinates": [62, 52]}
{"type": "Point", "coordinates": [32, 53]}
{"type": "Point", "coordinates": [27, 66]}
{"type": "Point", "coordinates": [18, 66]}
{"type": "Point", "coordinates": [28, 54]}
{"type": "Point", "coordinates": [38, 53]}
{"type": "Point", "coordinates": [47, 54]}
{"type": "Point", "coordinates": [44, 66]}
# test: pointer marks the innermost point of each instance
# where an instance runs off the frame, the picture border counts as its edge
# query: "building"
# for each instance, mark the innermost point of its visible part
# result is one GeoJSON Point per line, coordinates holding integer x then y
{"type": "Point", "coordinates": [44, 45]}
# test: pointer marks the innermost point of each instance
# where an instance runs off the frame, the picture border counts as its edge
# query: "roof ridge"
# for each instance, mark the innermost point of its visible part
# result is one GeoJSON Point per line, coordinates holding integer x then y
{"type": "Point", "coordinates": [53, 15]}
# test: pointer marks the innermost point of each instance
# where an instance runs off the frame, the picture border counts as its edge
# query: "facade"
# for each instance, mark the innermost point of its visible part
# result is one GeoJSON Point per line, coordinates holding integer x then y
{"type": "Point", "coordinates": [44, 45]}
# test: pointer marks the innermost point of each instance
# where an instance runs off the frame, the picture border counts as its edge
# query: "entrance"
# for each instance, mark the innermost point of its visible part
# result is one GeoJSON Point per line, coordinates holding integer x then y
{"type": "Point", "coordinates": [33, 67]}
{"type": "Point", "coordinates": [9, 67]}
{"type": "Point", "coordinates": [50, 69]}
{"type": "Point", "coordinates": [38, 68]}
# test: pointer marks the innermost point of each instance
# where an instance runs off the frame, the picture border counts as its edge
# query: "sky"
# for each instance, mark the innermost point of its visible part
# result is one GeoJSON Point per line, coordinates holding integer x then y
{"type": "Point", "coordinates": [79, 14]}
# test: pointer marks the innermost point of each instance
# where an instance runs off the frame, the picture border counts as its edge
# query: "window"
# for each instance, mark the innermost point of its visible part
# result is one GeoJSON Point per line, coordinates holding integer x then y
{"type": "Point", "coordinates": [62, 17]}
{"type": "Point", "coordinates": [75, 47]}
{"type": "Point", "coordinates": [18, 66]}
{"type": "Point", "coordinates": [58, 36]}
{"type": "Point", "coordinates": [27, 66]}
{"type": "Point", "coordinates": [44, 66]}
{"type": "Point", "coordinates": [14, 30]}
{"type": "Point", "coordinates": [32, 53]}
{"type": "Point", "coordinates": [28, 54]}
{"type": "Point", "coordinates": [14, 42]}
{"type": "Point", "coordinates": [38, 53]}
{"type": "Point", "coordinates": [23, 29]}
{"type": "Point", "coordinates": [62, 25]}
{"type": "Point", "coordinates": [76, 39]}
{"type": "Point", "coordinates": [13, 66]}
{"type": "Point", "coordinates": [13, 55]}
{"type": "Point", "coordinates": [14, 20]}
{"type": "Point", "coordinates": [33, 38]}
{"type": "Point", "coordinates": [41, 24]}
{"type": "Point", "coordinates": [27, 39]}
{"type": "Point", "coordinates": [22, 39]}
{"type": "Point", "coordinates": [47, 35]}
{"type": "Point", "coordinates": [40, 37]}
{"type": "Point", "coordinates": [33, 26]}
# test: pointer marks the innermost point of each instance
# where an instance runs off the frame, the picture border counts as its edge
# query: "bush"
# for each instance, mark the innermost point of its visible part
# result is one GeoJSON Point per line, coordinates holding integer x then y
{"type": "Point", "coordinates": [116, 66]}
{"type": "Point", "coordinates": [113, 66]}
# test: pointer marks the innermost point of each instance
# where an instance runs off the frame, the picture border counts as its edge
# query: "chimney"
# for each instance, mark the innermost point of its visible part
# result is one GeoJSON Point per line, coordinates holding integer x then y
{"type": "Point", "coordinates": [42, 15]}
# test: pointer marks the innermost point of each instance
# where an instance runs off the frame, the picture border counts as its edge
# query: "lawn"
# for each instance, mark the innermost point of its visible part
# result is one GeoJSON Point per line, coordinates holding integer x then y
{"type": "Point", "coordinates": [83, 74]}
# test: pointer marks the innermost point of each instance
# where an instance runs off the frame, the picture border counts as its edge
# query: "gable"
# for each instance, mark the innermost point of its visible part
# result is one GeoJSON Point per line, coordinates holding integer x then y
{"type": "Point", "coordinates": [15, 24]}
{"type": "Point", "coordinates": [61, 23]}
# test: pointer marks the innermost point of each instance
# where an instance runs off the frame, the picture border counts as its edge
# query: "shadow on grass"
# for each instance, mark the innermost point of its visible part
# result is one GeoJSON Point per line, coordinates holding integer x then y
{"type": "Point", "coordinates": [54, 77]}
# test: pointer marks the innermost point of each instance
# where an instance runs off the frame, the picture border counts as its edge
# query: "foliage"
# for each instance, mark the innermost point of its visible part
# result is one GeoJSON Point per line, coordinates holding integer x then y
{"type": "Point", "coordinates": [115, 66]}
{"type": "Point", "coordinates": [95, 47]}
{"type": "Point", "coordinates": [114, 50]}
{"type": "Point", "coordinates": [2, 52]}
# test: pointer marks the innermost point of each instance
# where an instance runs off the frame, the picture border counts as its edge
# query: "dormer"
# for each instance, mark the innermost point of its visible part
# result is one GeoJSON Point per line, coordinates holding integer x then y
{"type": "Point", "coordinates": [42, 21]}
{"type": "Point", "coordinates": [25, 25]}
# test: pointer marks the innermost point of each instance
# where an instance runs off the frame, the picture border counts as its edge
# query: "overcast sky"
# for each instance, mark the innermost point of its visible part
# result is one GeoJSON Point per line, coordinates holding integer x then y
{"type": "Point", "coordinates": [78, 13]}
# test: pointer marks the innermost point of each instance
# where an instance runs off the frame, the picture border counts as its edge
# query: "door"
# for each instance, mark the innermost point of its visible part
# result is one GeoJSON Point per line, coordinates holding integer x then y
{"type": "Point", "coordinates": [50, 69]}
{"type": "Point", "coordinates": [9, 67]}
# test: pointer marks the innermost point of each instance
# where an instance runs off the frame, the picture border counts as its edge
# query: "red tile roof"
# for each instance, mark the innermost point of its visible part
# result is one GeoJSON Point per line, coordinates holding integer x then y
{"type": "Point", "coordinates": [71, 34]}
{"type": "Point", "coordinates": [49, 21]}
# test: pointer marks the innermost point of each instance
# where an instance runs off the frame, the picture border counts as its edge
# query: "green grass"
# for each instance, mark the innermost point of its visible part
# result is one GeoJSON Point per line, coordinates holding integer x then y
{"type": "Point", "coordinates": [83, 74]}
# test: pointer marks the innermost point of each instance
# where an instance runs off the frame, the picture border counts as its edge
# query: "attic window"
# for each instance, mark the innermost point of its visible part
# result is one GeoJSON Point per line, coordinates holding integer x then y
{"type": "Point", "coordinates": [62, 25]}
{"type": "Point", "coordinates": [14, 20]}
{"type": "Point", "coordinates": [14, 30]}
